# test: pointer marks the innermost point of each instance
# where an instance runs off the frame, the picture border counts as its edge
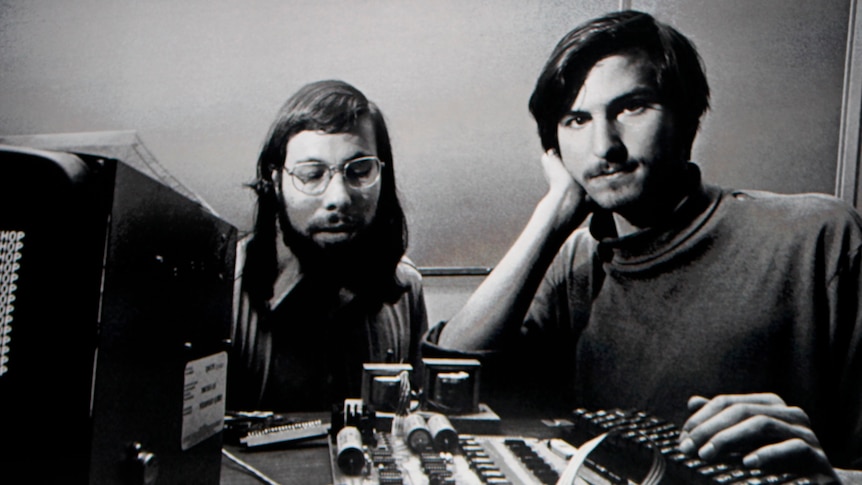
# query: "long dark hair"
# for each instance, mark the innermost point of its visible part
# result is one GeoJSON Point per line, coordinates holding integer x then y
{"type": "Point", "coordinates": [330, 106]}
{"type": "Point", "coordinates": [679, 73]}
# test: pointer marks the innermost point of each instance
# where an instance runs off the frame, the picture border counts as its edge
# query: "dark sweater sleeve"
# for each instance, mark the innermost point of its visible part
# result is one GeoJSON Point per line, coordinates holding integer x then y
{"type": "Point", "coordinates": [846, 290]}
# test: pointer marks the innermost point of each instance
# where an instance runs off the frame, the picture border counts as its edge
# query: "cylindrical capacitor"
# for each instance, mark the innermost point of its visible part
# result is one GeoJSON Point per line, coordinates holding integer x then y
{"type": "Point", "coordinates": [351, 459]}
{"type": "Point", "coordinates": [416, 433]}
{"type": "Point", "coordinates": [444, 435]}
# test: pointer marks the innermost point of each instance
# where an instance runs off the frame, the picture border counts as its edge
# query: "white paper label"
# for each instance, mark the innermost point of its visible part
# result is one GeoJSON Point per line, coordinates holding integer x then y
{"type": "Point", "coordinates": [204, 398]}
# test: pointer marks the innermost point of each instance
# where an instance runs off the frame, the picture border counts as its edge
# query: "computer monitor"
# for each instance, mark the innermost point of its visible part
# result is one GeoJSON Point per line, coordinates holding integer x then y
{"type": "Point", "coordinates": [115, 297]}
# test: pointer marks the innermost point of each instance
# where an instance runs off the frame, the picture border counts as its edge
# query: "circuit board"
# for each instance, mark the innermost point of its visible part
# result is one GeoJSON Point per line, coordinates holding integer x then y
{"type": "Point", "coordinates": [478, 460]}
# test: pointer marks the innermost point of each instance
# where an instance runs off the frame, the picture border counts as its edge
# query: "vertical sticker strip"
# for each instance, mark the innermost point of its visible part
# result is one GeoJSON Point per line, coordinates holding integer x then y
{"type": "Point", "coordinates": [10, 256]}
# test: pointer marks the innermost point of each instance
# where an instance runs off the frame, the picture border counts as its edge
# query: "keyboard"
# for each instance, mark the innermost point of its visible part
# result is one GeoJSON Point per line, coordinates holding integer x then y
{"type": "Point", "coordinates": [642, 448]}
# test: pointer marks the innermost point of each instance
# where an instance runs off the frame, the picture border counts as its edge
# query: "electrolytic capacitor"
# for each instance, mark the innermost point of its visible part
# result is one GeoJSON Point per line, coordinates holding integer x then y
{"type": "Point", "coordinates": [416, 433]}
{"type": "Point", "coordinates": [444, 434]}
{"type": "Point", "coordinates": [351, 459]}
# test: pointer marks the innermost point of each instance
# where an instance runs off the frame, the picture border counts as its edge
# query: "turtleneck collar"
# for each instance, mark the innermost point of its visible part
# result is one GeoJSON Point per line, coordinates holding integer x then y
{"type": "Point", "coordinates": [652, 243]}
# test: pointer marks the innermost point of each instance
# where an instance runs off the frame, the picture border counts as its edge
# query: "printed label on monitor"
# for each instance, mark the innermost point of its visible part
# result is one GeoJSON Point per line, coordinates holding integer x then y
{"type": "Point", "coordinates": [11, 244]}
{"type": "Point", "coordinates": [204, 398]}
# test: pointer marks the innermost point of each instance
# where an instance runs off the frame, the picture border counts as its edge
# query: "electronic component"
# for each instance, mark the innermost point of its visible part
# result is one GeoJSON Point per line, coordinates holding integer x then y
{"type": "Point", "coordinates": [116, 309]}
{"type": "Point", "coordinates": [350, 457]}
{"type": "Point", "coordinates": [451, 386]}
{"type": "Point", "coordinates": [444, 435]}
{"type": "Point", "coordinates": [277, 434]}
{"type": "Point", "coordinates": [476, 460]}
{"type": "Point", "coordinates": [416, 433]}
{"type": "Point", "coordinates": [637, 448]}
{"type": "Point", "coordinates": [425, 449]}
{"type": "Point", "coordinates": [381, 385]}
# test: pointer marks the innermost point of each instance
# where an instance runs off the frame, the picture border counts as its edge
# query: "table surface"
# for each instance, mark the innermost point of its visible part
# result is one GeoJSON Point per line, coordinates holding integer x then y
{"type": "Point", "coordinates": [307, 464]}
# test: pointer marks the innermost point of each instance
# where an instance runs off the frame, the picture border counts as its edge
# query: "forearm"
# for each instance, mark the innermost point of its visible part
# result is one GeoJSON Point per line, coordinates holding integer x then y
{"type": "Point", "coordinates": [497, 308]}
{"type": "Point", "coordinates": [848, 477]}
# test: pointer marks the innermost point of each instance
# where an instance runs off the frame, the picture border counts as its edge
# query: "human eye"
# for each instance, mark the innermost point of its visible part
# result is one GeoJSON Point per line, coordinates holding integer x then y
{"type": "Point", "coordinates": [360, 167]}
{"type": "Point", "coordinates": [309, 172]}
{"type": "Point", "coordinates": [575, 120]}
{"type": "Point", "coordinates": [363, 171]}
{"type": "Point", "coordinates": [635, 105]}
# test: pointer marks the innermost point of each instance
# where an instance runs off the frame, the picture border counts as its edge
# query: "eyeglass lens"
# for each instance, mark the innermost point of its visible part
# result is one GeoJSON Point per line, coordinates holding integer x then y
{"type": "Point", "coordinates": [314, 177]}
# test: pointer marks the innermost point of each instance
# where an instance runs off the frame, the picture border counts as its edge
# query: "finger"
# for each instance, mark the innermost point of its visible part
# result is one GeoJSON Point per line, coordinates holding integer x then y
{"type": "Point", "coordinates": [551, 154]}
{"type": "Point", "coordinates": [721, 402]}
{"type": "Point", "coordinates": [742, 412]}
{"type": "Point", "coordinates": [561, 182]}
{"type": "Point", "coordinates": [755, 418]}
{"type": "Point", "coordinates": [751, 434]}
{"type": "Point", "coordinates": [792, 455]}
{"type": "Point", "coordinates": [696, 402]}
{"type": "Point", "coordinates": [695, 438]}
{"type": "Point", "coordinates": [553, 167]}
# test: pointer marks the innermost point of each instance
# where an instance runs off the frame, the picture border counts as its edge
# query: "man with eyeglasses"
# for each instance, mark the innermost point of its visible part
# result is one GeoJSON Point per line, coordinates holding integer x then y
{"type": "Point", "coordinates": [733, 313]}
{"type": "Point", "coordinates": [323, 284]}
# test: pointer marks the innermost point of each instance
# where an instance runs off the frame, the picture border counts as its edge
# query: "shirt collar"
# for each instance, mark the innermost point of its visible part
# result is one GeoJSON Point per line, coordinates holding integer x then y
{"type": "Point", "coordinates": [290, 274]}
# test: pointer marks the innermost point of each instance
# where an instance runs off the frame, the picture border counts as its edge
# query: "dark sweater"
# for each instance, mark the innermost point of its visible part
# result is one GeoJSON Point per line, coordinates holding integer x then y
{"type": "Point", "coordinates": [740, 292]}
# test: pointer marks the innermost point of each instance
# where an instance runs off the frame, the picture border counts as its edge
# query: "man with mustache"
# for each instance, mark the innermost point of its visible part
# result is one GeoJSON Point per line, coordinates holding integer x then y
{"type": "Point", "coordinates": [734, 313]}
{"type": "Point", "coordinates": [324, 284]}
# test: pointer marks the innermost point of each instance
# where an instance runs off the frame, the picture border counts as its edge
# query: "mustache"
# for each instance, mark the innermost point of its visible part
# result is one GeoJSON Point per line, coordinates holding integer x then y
{"type": "Point", "coordinates": [334, 220]}
{"type": "Point", "coordinates": [608, 168]}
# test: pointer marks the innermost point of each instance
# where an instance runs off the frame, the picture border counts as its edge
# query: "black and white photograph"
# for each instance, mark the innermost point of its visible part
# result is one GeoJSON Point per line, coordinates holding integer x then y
{"type": "Point", "coordinates": [437, 242]}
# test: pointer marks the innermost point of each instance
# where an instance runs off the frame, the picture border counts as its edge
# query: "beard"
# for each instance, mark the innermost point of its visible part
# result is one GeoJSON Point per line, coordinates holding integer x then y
{"type": "Point", "coordinates": [346, 263]}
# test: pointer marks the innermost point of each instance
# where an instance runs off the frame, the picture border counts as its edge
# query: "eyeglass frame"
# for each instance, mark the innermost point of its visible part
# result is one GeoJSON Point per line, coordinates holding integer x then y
{"type": "Point", "coordinates": [331, 170]}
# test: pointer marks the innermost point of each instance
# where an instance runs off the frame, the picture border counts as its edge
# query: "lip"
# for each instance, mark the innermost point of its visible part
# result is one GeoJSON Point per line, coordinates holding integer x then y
{"type": "Point", "coordinates": [613, 171]}
{"type": "Point", "coordinates": [336, 228]}
{"type": "Point", "coordinates": [334, 234]}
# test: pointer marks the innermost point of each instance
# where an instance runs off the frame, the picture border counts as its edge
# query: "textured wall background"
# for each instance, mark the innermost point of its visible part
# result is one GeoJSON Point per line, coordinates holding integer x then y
{"type": "Point", "coordinates": [201, 80]}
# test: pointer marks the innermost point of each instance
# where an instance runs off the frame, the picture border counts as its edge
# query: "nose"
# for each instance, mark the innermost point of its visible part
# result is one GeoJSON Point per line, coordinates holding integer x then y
{"type": "Point", "coordinates": [336, 195]}
{"type": "Point", "coordinates": [607, 143]}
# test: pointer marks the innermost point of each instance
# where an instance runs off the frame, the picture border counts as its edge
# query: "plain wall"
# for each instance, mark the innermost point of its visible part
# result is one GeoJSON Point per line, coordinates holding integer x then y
{"type": "Point", "coordinates": [200, 81]}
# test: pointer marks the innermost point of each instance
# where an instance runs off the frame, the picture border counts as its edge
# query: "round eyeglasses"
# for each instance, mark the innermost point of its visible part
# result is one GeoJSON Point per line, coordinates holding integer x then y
{"type": "Point", "coordinates": [313, 178]}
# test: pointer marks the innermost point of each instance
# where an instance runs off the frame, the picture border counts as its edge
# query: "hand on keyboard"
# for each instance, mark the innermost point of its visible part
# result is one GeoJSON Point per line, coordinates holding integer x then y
{"type": "Point", "coordinates": [761, 428]}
